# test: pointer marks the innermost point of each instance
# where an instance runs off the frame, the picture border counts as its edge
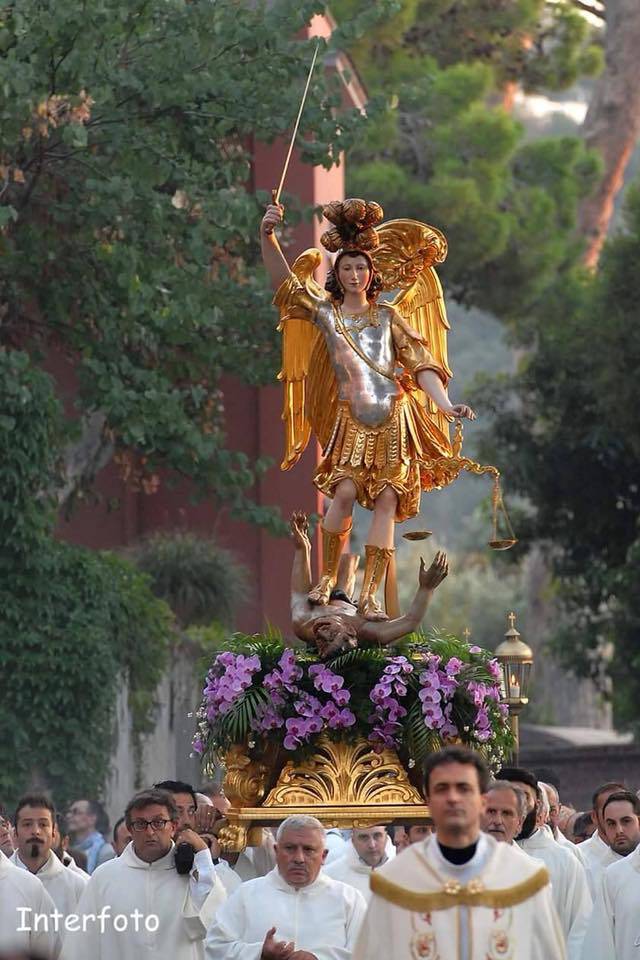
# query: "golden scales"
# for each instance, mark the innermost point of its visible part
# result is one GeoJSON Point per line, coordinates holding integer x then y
{"type": "Point", "coordinates": [499, 517]}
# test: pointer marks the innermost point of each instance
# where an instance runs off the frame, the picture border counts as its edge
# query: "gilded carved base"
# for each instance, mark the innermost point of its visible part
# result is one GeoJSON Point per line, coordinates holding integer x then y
{"type": "Point", "coordinates": [342, 784]}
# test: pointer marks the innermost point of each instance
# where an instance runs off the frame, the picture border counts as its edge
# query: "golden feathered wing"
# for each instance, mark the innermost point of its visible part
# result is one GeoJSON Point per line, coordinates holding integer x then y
{"type": "Point", "coordinates": [310, 387]}
{"type": "Point", "coordinates": [404, 258]}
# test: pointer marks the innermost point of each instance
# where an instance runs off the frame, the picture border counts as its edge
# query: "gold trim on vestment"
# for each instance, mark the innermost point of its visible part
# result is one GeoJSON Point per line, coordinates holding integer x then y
{"type": "Point", "coordinates": [465, 896]}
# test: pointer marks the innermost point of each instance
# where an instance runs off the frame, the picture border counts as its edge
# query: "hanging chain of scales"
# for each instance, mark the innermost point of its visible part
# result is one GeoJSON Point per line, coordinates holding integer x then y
{"type": "Point", "coordinates": [502, 536]}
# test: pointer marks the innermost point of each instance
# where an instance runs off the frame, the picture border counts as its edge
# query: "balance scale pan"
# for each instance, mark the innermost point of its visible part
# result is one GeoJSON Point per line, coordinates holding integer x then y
{"type": "Point", "coordinates": [502, 544]}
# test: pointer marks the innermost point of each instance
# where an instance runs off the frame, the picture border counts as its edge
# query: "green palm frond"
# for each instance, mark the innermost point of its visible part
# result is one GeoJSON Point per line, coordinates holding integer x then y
{"type": "Point", "coordinates": [373, 655]}
{"type": "Point", "coordinates": [235, 726]}
{"type": "Point", "coordinates": [419, 740]}
{"type": "Point", "coordinates": [267, 647]}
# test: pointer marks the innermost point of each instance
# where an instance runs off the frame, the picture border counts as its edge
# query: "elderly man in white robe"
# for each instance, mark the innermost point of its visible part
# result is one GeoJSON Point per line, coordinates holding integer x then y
{"type": "Point", "coordinates": [460, 894]}
{"type": "Point", "coordinates": [367, 851]}
{"type": "Point", "coordinates": [568, 880]}
{"type": "Point", "coordinates": [553, 820]}
{"type": "Point", "coordinates": [504, 811]}
{"type": "Point", "coordinates": [23, 901]}
{"type": "Point", "coordinates": [34, 821]}
{"type": "Point", "coordinates": [295, 912]}
{"type": "Point", "coordinates": [614, 930]}
{"type": "Point", "coordinates": [147, 901]}
{"type": "Point", "coordinates": [597, 855]}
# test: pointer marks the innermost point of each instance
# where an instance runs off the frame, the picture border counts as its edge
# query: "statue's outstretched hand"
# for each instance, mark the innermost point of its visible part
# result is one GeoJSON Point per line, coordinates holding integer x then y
{"type": "Point", "coordinates": [299, 525]}
{"type": "Point", "coordinates": [274, 215]}
{"type": "Point", "coordinates": [439, 569]}
{"type": "Point", "coordinates": [462, 410]}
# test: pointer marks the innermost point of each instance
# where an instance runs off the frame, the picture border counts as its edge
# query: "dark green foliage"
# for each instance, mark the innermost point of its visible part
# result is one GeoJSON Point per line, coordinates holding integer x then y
{"type": "Point", "coordinates": [567, 424]}
{"type": "Point", "coordinates": [74, 624]}
{"type": "Point", "coordinates": [448, 153]}
{"type": "Point", "coordinates": [128, 222]}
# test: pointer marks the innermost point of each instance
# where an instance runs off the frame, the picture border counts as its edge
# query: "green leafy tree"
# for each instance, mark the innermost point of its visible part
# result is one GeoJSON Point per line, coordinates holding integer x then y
{"type": "Point", "coordinates": [449, 153]}
{"type": "Point", "coordinates": [74, 624]}
{"type": "Point", "coordinates": [567, 423]}
{"type": "Point", "coordinates": [129, 225]}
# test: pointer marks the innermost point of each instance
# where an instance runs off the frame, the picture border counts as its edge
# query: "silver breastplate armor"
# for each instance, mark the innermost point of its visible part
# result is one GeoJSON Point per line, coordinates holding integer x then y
{"type": "Point", "coordinates": [370, 394]}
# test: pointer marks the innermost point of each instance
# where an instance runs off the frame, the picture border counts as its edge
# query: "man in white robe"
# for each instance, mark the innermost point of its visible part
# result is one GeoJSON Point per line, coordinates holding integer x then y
{"type": "Point", "coordinates": [569, 886]}
{"type": "Point", "coordinates": [553, 799]}
{"type": "Point", "coordinates": [200, 817]}
{"type": "Point", "coordinates": [366, 852]}
{"type": "Point", "coordinates": [614, 930]}
{"type": "Point", "coordinates": [23, 900]}
{"type": "Point", "coordinates": [138, 904]}
{"type": "Point", "coordinates": [504, 811]}
{"type": "Point", "coordinates": [597, 855]}
{"type": "Point", "coordinates": [460, 895]}
{"type": "Point", "coordinates": [35, 819]}
{"type": "Point", "coordinates": [295, 912]}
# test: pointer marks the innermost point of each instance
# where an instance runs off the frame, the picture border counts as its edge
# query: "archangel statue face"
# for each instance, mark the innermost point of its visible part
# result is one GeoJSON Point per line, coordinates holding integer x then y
{"type": "Point", "coordinates": [354, 272]}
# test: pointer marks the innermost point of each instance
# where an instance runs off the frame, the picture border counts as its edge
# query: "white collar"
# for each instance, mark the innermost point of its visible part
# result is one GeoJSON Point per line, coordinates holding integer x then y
{"type": "Point", "coordinates": [50, 868]}
{"type": "Point", "coordinates": [130, 858]}
{"type": "Point", "coordinates": [318, 886]}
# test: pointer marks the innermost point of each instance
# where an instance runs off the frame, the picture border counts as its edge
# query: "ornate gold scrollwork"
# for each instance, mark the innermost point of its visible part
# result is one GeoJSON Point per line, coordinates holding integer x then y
{"type": "Point", "coordinates": [245, 782]}
{"type": "Point", "coordinates": [341, 773]}
{"type": "Point", "coordinates": [233, 838]}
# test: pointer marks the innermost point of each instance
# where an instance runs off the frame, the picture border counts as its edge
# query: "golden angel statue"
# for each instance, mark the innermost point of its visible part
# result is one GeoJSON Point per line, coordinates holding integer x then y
{"type": "Point", "coordinates": [367, 376]}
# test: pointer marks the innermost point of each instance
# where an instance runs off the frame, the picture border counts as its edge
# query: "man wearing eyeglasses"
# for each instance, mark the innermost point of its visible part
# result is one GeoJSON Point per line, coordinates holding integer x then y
{"type": "Point", "coordinates": [140, 904]}
{"type": "Point", "coordinates": [200, 816]}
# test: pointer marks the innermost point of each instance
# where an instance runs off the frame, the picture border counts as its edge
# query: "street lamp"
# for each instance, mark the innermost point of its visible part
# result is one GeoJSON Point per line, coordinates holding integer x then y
{"type": "Point", "coordinates": [516, 659]}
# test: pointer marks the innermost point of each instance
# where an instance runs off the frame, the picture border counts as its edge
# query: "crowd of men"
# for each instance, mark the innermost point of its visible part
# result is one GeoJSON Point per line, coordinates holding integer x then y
{"type": "Point", "coordinates": [500, 870]}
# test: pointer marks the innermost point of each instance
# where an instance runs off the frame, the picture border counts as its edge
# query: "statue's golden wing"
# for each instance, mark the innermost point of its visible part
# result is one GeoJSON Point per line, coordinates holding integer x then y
{"type": "Point", "coordinates": [405, 257]}
{"type": "Point", "coordinates": [310, 389]}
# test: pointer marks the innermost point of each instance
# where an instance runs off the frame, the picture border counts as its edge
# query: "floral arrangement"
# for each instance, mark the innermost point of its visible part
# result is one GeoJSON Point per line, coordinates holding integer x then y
{"type": "Point", "coordinates": [426, 692]}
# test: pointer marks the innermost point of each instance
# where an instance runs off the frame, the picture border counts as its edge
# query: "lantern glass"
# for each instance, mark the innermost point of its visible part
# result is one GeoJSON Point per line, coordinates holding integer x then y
{"type": "Point", "coordinates": [515, 675]}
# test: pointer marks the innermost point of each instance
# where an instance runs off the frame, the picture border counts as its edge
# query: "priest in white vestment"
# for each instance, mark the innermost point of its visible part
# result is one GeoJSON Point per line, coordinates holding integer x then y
{"type": "Point", "coordinates": [22, 900]}
{"type": "Point", "coordinates": [597, 855]}
{"type": "Point", "coordinates": [35, 819]}
{"type": "Point", "coordinates": [614, 931]}
{"type": "Point", "coordinates": [295, 912]}
{"type": "Point", "coordinates": [569, 885]}
{"type": "Point", "coordinates": [367, 851]}
{"type": "Point", "coordinates": [460, 895]}
{"type": "Point", "coordinates": [138, 904]}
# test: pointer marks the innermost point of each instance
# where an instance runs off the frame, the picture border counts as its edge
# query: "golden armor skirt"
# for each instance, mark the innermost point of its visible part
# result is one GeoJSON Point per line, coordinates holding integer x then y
{"type": "Point", "coordinates": [406, 452]}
